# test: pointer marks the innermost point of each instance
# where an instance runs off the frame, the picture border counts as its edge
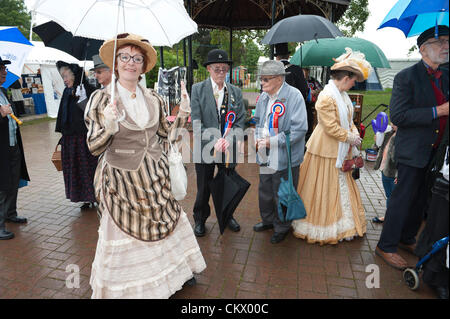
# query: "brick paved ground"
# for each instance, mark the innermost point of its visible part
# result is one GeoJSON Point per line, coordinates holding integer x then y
{"type": "Point", "coordinates": [239, 265]}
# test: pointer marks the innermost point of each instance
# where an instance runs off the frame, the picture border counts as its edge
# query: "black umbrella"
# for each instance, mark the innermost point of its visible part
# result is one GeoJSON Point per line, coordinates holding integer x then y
{"type": "Point", "coordinates": [300, 28]}
{"type": "Point", "coordinates": [227, 190]}
{"type": "Point", "coordinates": [55, 36]}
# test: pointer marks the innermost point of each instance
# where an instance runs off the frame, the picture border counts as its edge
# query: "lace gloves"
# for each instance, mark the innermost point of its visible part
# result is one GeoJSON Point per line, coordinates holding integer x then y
{"type": "Point", "coordinates": [353, 139]}
{"type": "Point", "coordinates": [185, 104]}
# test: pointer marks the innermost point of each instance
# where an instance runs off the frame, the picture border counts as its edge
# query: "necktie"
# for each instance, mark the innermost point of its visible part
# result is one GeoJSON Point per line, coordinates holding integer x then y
{"type": "Point", "coordinates": [435, 74]}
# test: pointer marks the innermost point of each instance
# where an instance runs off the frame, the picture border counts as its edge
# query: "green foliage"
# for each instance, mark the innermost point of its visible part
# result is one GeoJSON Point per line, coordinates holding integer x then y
{"type": "Point", "coordinates": [354, 17]}
{"type": "Point", "coordinates": [14, 13]}
{"type": "Point", "coordinates": [370, 101]}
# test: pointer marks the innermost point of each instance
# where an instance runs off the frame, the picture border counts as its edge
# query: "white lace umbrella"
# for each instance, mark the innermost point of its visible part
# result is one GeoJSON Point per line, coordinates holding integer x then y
{"type": "Point", "coordinates": [162, 22]}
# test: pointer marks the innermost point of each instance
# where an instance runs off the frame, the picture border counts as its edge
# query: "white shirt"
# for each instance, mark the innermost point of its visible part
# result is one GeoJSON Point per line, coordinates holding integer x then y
{"type": "Point", "coordinates": [221, 93]}
{"type": "Point", "coordinates": [444, 169]}
{"type": "Point", "coordinates": [136, 108]}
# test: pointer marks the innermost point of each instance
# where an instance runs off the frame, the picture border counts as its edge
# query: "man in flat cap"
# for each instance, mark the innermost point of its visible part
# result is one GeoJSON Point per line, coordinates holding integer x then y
{"type": "Point", "coordinates": [102, 72]}
{"type": "Point", "coordinates": [211, 100]}
{"type": "Point", "coordinates": [288, 104]}
{"type": "Point", "coordinates": [419, 108]}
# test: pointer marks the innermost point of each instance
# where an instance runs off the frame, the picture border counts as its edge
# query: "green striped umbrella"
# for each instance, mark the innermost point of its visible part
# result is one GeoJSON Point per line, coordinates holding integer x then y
{"type": "Point", "coordinates": [322, 52]}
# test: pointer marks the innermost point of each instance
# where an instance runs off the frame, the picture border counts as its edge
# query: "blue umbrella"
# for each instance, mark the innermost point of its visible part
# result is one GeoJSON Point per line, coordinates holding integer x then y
{"type": "Point", "coordinates": [15, 48]}
{"type": "Point", "coordinates": [413, 17]}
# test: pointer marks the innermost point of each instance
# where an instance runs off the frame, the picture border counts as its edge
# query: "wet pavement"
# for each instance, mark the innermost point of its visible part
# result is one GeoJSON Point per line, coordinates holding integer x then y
{"type": "Point", "coordinates": [59, 237]}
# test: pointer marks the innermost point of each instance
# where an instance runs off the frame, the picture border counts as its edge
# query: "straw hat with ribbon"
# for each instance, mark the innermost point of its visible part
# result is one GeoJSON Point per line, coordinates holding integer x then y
{"type": "Point", "coordinates": [355, 62]}
{"type": "Point", "coordinates": [109, 46]}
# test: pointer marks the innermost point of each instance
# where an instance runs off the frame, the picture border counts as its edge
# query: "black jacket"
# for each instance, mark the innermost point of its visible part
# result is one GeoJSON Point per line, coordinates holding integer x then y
{"type": "Point", "coordinates": [411, 110]}
{"type": "Point", "coordinates": [296, 78]}
{"type": "Point", "coordinates": [76, 125]}
{"type": "Point", "coordinates": [5, 176]}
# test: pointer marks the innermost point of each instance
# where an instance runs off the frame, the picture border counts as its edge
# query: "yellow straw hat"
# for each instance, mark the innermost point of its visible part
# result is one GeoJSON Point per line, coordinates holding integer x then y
{"type": "Point", "coordinates": [107, 49]}
{"type": "Point", "coordinates": [354, 62]}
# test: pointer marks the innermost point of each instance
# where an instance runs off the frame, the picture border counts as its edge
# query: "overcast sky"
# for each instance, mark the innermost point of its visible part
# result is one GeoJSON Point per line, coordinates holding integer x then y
{"type": "Point", "coordinates": [392, 41]}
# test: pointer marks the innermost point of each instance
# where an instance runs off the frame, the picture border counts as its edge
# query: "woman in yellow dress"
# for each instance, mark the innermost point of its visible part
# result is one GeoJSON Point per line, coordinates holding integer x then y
{"type": "Point", "coordinates": [331, 197]}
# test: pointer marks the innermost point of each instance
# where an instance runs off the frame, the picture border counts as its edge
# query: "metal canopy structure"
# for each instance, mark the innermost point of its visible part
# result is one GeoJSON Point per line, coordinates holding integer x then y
{"type": "Point", "coordinates": [253, 15]}
{"type": "Point", "coordinates": [260, 14]}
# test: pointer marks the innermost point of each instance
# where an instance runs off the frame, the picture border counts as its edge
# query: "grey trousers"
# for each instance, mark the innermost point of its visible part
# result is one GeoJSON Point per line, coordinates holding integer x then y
{"type": "Point", "coordinates": [268, 197]}
{"type": "Point", "coordinates": [8, 198]}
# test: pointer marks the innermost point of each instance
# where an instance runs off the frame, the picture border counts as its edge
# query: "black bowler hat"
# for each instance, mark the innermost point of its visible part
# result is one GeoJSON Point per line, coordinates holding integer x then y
{"type": "Point", "coordinates": [217, 56]}
{"type": "Point", "coordinates": [432, 32]}
{"type": "Point", "coordinates": [4, 62]}
{"type": "Point", "coordinates": [281, 49]}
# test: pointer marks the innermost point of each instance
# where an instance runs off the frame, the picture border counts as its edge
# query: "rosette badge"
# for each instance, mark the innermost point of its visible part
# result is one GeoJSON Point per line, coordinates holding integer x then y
{"type": "Point", "coordinates": [278, 110]}
{"type": "Point", "coordinates": [230, 118]}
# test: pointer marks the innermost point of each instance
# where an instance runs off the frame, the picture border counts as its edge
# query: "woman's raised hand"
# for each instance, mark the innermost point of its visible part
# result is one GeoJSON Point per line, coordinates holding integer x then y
{"type": "Point", "coordinates": [185, 101]}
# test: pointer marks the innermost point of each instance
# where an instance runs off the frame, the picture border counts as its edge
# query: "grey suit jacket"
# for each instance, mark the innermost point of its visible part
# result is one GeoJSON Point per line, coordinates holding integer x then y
{"type": "Point", "coordinates": [205, 123]}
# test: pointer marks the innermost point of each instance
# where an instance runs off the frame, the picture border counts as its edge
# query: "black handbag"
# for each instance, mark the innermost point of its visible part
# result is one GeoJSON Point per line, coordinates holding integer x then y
{"type": "Point", "coordinates": [440, 187]}
{"type": "Point", "coordinates": [355, 173]}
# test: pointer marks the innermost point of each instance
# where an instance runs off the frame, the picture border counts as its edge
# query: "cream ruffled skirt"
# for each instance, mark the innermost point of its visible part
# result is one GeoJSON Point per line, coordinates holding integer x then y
{"type": "Point", "coordinates": [125, 267]}
{"type": "Point", "coordinates": [334, 210]}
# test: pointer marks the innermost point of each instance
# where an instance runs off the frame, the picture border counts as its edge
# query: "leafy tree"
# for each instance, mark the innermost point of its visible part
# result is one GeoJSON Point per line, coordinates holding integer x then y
{"type": "Point", "coordinates": [14, 13]}
{"type": "Point", "coordinates": [354, 17]}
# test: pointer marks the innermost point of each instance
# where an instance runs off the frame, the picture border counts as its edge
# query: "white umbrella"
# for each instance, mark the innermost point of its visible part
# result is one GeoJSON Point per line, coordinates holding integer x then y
{"type": "Point", "coordinates": [162, 22]}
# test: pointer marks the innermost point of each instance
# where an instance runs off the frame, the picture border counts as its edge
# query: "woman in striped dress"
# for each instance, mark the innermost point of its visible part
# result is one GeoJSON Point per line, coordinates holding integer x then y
{"type": "Point", "coordinates": [146, 247]}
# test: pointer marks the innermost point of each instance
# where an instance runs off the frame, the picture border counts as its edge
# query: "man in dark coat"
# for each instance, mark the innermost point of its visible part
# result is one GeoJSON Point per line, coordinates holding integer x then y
{"type": "Point", "coordinates": [296, 78]}
{"type": "Point", "coordinates": [419, 108]}
{"type": "Point", "coordinates": [211, 100]}
{"type": "Point", "coordinates": [12, 160]}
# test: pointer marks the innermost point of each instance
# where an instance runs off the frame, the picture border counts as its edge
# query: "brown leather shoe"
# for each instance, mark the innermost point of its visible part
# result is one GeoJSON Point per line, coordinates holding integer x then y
{"type": "Point", "coordinates": [408, 248]}
{"type": "Point", "coordinates": [392, 259]}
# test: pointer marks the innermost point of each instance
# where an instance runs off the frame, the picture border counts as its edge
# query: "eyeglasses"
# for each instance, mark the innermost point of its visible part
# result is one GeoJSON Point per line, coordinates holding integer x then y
{"type": "Point", "coordinates": [267, 79]}
{"type": "Point", "coordinates": [440, 42]}
{"type": "Point", "coordinates": [220, 70]}
{"type": "Point", "coordinates": [125, 57]}
{"type": "Point", "coordinates": [3, 68]}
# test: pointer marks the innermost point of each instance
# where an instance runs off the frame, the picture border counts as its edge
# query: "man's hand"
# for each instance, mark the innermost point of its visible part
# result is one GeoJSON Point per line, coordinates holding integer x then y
{"type": "Point", "coordinates": [442, 110]}
{"type": "Point", "coordinates": [263, 143]}
{"type": "Point", "coordinates": [221, 145]}
{"type": "Point", "coordinates": [5, 110]}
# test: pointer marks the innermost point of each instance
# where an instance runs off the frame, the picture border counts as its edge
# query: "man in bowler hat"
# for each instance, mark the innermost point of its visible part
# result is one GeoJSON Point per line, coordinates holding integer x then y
{"type": "Point", "coordinates": [12, 160]}
{"type": "Point", "coordinates": [419, 108]}
{"type": "Point", "coordinates": [211, 100]}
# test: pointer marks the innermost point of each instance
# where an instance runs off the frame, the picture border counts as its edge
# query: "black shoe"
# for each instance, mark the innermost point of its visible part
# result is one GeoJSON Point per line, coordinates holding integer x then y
{"type": "Point", "coordinates": [278, 237]}
{"type": "Point", "coordinates": [17, 220]}
{"type": "Point", "coordinates": [261, 227]}
{"type": "Point", "coordinates": [86, 206]}
{"type": "Point", "coordinates": [441, 292]}
{"type": "Point", "coordinates": [233, 225]}
{"type": "Point", "coordinates": [199, 229]}
{"type": "Point", "coordinates": [190, 283]}
{"type": "Point", "coordinates": [4, 235]}
{"type": "Point", "coordinates": [377, 220]}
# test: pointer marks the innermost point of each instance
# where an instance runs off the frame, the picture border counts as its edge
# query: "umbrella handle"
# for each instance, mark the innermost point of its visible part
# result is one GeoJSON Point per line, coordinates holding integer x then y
{"type": "Point", "coordinates": [16, 119]}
